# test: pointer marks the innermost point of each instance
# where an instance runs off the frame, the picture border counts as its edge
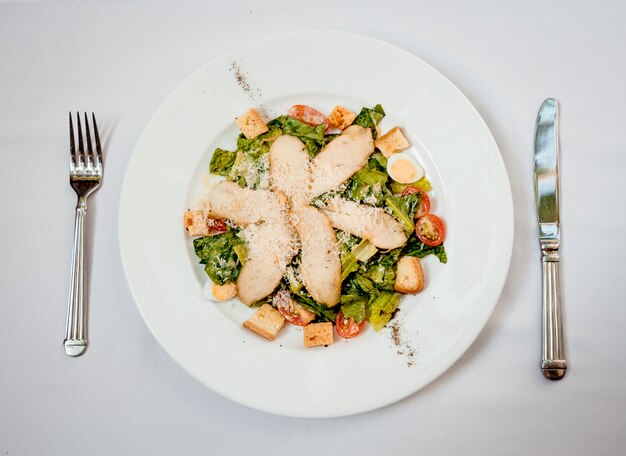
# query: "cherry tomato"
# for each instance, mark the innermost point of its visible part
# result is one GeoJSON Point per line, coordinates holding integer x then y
{"type": "Point", "coordinates": [293, 312]}
{"type": "Point", "coordinates": [216, 226]}
{"type": "Point", "coordinates": [430, 230]}
{"type": "Point", "coordinates": [424, 207]}
{"type": "Point", "coordinates": [308, 115]}
{"type": "Point", "coordinates": [347, 327]}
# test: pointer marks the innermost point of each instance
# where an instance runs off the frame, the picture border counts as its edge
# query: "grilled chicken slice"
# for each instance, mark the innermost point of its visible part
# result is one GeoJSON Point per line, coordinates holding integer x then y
{"type": "Point", "coordinates": [341, 158]}
{"type": "Point", "coordinates": [271, 247]}
{"type": "Point", "coordinates": [290, 169]}
{"type": "Point", "coordinates": [367, 222]}
{"type": "Point", "coordinates": [321, 265]}
{"type": "Point", "coordinates": [258, 278]}
{"type": "Point", "coordinates": [242, 206]}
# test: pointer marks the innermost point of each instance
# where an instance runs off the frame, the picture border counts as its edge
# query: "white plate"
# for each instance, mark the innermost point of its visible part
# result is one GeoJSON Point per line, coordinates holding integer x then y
{"type": "Point", "coordinates": [471, 193]}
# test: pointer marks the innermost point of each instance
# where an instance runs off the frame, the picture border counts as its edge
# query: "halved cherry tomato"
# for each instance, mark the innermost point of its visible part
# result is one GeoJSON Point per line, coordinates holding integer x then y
{"type": "Point", "coordinates": [308, 115]}
{"type": "Point", "coordinates": [293, 312]}
{"type": "Point", "coordinates": [424, 207]}
{"type": "Point", "coordinates": [347, 327]}
{"type": "Point", "coordinates": [430, 230]}
{"type": "Point", "coordinates": [216, 226]}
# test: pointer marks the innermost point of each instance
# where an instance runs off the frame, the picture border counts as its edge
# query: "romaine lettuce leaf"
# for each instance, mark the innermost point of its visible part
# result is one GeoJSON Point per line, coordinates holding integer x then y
{"type": "Point", "coordinates": [381, 270]}
{"type": "Point", "coordinates": [415, 247]}
{"type": "Point", "coordinates": [312, 137]}
{"type": "Point", "coordinates": [248, 171]}
{"type": "Point", "coordinates": [353, 306]}
{"type": "Point", "coordinates": [323, 312]}
{"type": "Point", "coordinates": [218, 254]}
{"type": "Point", "coordinates": [422, 184]}
{"type": "Point", "coordinates": [378, 161]}
{"type": "Point", "coordinates": [349, 264]}
{"type": "Point", "coordinates": [364, 250]}
{"type": "Point", "coordinates": [258, 146]}
{"type": "Point", "coordinates": [362, 285]}
{"type": "Point", "coordinates": [369, 118]}
{"type": "Point", "coordinates": [404, 208]}
{"type": "Point", "coordinates": [350, 259]}
{"type": "Point", "coordinates": [222, 162]}
{"type": "Point", "coordinates": [381, 308]}
{"type": "Point", "coordinates": [367, 186]}
{"type": "Point", "coordinates": [328, 138]}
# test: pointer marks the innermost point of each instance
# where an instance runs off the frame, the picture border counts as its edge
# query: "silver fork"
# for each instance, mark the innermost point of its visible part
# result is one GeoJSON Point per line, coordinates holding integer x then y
{"type": "Point", "coordinates": [85, 176]}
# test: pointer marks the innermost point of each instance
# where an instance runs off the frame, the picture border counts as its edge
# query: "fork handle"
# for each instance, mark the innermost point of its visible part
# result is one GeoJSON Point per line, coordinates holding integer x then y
{"type": "Point", "coordinates": [75, 341]}
{"type": "Point", "coordinates": [553, 363]}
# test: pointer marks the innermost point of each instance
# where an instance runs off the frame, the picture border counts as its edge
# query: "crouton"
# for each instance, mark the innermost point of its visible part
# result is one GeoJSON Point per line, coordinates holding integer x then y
{"type": "Point", "coordinates": [266, 322]}
{"type": "Point", "coordinates": [341, 117]}
{"type": "Point", "coordinates": [196, 224]}
{"type": "Point", "coordinates": [391, 142]}
{"type": "Point", "coordinates": [409, 276]}
{"type": "Point", "coordinates": [318, 334]}
{"type": "Point", "coordinates": [251, 124]}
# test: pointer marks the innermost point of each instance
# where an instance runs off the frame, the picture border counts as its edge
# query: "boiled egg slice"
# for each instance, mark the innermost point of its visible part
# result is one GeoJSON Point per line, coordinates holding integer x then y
{"type": "Point", "coordinates": [404, 169]}
{"type": "Point", "coordinates": [214, 292]}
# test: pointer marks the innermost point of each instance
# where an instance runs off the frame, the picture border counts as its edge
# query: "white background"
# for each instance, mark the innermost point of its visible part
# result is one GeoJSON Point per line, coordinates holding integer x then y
{"type": "Point", "coordinates": [126, 396]}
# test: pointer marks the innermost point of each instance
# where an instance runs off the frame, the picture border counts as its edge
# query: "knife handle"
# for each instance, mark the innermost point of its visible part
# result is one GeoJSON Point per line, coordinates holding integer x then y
{"type": "Point", "coordinates": [553, 363]}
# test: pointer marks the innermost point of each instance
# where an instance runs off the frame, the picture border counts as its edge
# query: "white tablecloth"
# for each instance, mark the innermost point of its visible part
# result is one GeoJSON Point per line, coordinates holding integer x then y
{"type": "Point", "coordinates": [126, 396]}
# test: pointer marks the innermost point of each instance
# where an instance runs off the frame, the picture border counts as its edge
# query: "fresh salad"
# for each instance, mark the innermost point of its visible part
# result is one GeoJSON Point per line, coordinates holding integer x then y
{"type": "Point", "coordinates": [319, 221]}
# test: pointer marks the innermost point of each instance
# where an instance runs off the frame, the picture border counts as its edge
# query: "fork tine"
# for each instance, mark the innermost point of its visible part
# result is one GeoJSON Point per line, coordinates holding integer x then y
{"type": "Point", "coordinates": [90, 157]}
{"type": "Point", "coordinates": [72, 147]}
{"type": "Point", "coordinates": [97, 138]}
{"type": "Point", "coordinates": [81, 149]}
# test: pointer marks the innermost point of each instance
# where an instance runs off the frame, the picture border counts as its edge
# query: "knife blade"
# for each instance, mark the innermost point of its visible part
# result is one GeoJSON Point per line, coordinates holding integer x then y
{"type": "Point", "coordinates": [553, 363]}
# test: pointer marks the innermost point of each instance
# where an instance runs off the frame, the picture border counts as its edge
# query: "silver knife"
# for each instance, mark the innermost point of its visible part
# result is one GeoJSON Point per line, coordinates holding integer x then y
{"type": "Point", "coordinates": [553, 362]}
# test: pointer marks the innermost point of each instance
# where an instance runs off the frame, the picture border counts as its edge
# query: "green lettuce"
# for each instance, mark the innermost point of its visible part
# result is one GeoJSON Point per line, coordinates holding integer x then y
{"type": "Point", "coordinates": [360, 284]}
{"type": "Point", "coordinates": [328, 138]}
{"type": "Point", "coordinates": [404, 208]}
{"type": "Point", "coordinates": [381, 270]}
{"type": "Point", "coordinates": [364, 250]}
{"type": "Point", "coordinates": [353, 306]}
{"type": "Point", "coordinates": [323, 312]}
{"type": "Point", "coordinates": [380, 309]}
{"type": "Point", "coordinates": [378, 161]}
{"type": "Point", "coordinates": [353, 254]}
{"type": "Point", "coordinates": [415, 247]}
{"type": "Point", "coordinates": [349, 264]}
{"type": "Point", "coordinates": [312, 137]}
{"type": "Point", "coordinates": [422, 184]}
{"type": "Point", "coordinates": [369, 291]}
{"type": "Point", "coordinates": [259, 145]}
{"type": "Point", "coordinates": [369, 118]}
{"type": "Point", "coordinates": [222, 162]}
{"type": "Point", "coordinates": [248, 171]}
{"type": "Point", "coordinates": [367, 186]}
{"type": "Point", "coordinates": [219, 255]}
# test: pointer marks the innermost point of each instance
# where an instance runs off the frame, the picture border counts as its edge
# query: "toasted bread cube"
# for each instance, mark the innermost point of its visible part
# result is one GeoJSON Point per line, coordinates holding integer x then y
{"type": "Point", "coordinates": [251, 124]}
{"type": "Point", "coordinates": [341, 117]}
{"type": "Point", "coordinates": [196, 223]}
{"type": "Point", "coordinates": [409, 276]}
{"type": "Point", "coordinates": [266, 322]}
{"type": "Point", "coordinates": [318, 334]}
{"type": "Point", "coordinates": [391, 142]}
